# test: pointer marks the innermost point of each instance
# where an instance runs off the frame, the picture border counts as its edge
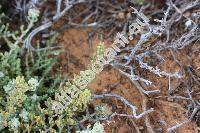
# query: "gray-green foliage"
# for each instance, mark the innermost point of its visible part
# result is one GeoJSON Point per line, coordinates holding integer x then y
{"type": "Point", "coordinates": [26, 80]}
{"type": "Point", "coordinates": [10, 66]}
{"type": "Point", "coordinates": [28, 84]}
{"type": "Point", "coordinates": [40, 64]}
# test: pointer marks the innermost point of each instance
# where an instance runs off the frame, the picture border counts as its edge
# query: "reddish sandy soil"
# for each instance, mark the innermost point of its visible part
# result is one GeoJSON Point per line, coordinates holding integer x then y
{"type": "Point", "coordinates": [78, 51]}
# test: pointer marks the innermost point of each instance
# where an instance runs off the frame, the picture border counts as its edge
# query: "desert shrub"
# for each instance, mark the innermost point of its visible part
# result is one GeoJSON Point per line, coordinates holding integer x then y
{"type": "Point", "coordinates": [26, 79]}
{"type": "Point", "coordinates": [28, 85]}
